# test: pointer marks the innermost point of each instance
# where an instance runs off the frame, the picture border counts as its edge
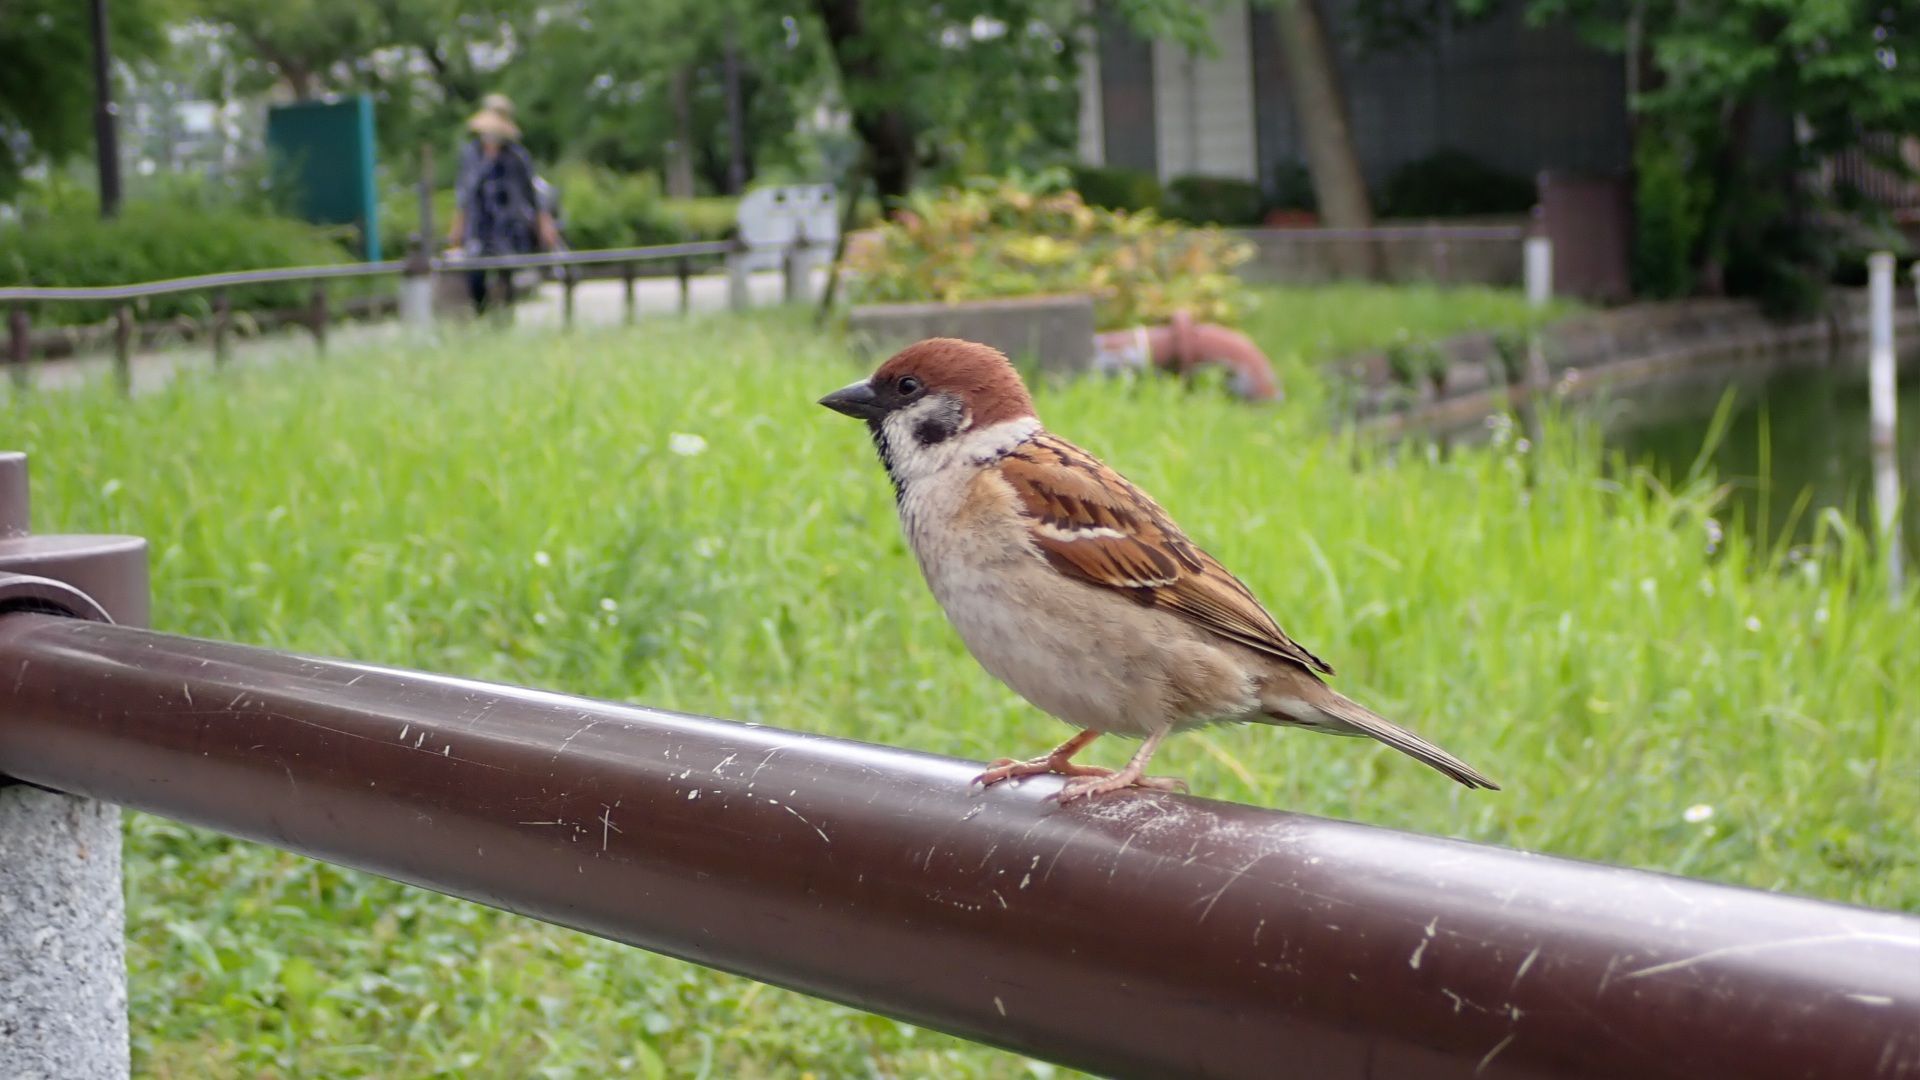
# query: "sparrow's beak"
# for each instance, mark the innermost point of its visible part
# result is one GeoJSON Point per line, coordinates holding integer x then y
{"type": "Point", "coordinates": [857, 401]}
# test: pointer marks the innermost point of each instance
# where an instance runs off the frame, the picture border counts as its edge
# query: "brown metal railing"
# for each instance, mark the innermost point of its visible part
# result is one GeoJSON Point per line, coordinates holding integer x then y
{"type": "Point", "coordinates": [1141, 935]}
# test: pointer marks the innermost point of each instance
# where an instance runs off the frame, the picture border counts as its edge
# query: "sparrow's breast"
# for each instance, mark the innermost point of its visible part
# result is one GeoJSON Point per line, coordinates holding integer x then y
{"type": "Point", "coordinates": [1081, 653]}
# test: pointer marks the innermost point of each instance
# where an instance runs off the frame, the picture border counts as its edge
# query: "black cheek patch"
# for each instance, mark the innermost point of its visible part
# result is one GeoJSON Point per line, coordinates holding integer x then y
{"type": "Point", "coordinates": [934, 430]}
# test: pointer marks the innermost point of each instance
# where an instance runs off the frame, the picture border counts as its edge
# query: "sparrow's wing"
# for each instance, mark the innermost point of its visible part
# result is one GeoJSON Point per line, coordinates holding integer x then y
{"type": "Point", "coordinates": [1091, 524]}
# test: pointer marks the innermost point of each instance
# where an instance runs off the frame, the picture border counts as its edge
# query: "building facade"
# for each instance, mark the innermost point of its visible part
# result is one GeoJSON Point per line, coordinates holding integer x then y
{"type": "Point", "coordinates": [1521, 99]}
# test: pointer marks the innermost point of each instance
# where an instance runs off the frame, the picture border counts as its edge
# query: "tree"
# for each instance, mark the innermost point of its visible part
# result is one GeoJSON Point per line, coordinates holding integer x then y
{"type": "Point", "coordinates": [973, 85]}
{"type": "Point", "coordinates": [1702, 77]}
{"type": "Point", "coordinates": [46, 85]}
{"type": "Point", "coordinates": [1320, 108]}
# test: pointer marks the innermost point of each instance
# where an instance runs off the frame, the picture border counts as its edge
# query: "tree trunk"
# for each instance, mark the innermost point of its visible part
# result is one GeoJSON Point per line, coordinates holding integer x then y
{"type": "Point", "coordinates": [1729, 162]}
{"type": "Point", "coordinates": [884, 128]}
{"type": "Point", "coordinates": [1320, 109]}
{"type": "Point", "coordinates": [736, 116]}
{"type": "Point", "coordinates": [680, 154]}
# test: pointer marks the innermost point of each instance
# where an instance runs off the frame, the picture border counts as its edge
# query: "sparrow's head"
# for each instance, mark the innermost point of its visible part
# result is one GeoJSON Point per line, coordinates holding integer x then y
{"type": "Point", "coordinates": [934, 395]}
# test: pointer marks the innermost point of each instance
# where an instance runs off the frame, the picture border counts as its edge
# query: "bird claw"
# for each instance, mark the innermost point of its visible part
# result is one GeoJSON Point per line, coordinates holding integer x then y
{"type": "Point", "coordinates": [1088, 788]}
{"type": "Point", "coordinates": [1009, 768]}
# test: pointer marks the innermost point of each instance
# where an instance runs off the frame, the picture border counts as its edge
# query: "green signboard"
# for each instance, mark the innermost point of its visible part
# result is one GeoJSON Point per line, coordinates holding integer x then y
{"type": "Point", "coordinates": [324, 152]}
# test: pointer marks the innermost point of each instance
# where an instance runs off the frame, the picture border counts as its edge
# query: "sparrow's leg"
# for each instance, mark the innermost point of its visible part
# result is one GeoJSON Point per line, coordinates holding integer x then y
{"type": "Point", "coordinates": [1057, 760]}
{"type": "Point", "coordinates": [1134, 775]}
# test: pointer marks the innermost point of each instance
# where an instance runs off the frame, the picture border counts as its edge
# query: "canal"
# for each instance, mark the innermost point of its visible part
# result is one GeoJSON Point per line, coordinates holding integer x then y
{"type": "Point", "coordinates": [1792, 432]}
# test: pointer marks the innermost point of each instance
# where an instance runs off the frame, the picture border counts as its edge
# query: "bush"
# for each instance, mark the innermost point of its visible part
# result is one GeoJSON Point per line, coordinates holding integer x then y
{"type": "Point", "coordinates": [707, 217]}
{"type": "Point", "coordinates": [979, 242]}
{"type": "Point", "coordinates": [1452, 183]}
{"type": "Point", "coordinates": [1116, 188]}
{"type": "Point", "coordinates": [1293, 187]}
{"type": "Point", "coordinates": [153, 241]}
{"type": "Point", "coordinates": [604, 209]}
{"type": "Point", "coordinates": [1213, 200]}
{"type": "Point", "coordinates": [1668, 214]}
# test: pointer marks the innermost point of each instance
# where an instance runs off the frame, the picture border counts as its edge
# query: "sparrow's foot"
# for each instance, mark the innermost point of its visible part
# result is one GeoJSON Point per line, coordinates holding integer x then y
{"type": "Point", "coordinates": [1125, 778]}
{"type": "Point", "coordinates": [1009, 768]}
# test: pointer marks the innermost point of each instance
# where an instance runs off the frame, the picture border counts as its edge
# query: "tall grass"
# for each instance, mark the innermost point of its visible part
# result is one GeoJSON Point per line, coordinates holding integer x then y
{"type": "Point", "coordinates": [663, 515]}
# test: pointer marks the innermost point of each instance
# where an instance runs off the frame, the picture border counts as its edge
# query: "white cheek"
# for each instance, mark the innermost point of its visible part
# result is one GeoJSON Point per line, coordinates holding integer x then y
{"type": "Point", "coordinates": [913, 460]}
{"type": "Point", "coordinates": [968, 447]}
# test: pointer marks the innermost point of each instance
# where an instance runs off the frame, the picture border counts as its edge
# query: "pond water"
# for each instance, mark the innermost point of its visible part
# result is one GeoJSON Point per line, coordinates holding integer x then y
{"type": "Point", "coordinates": [1790, 432]}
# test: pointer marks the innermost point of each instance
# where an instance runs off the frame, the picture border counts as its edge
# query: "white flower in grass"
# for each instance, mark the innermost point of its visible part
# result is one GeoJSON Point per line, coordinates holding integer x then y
{"type": "Point", "coordinates": [1753, 624]}
{"type": "Point", "coordinates": [686, 445]}
{"type": "Point", "coordinates": [1697, 813]}
{"type": "Point", "coordinates": [607, 603]}
{"type": "Point", "coordinates": [541, 558]}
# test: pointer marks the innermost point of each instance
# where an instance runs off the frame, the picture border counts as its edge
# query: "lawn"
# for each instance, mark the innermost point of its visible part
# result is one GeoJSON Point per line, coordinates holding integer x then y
{"type": "Point", "coordinates": [662, 515]}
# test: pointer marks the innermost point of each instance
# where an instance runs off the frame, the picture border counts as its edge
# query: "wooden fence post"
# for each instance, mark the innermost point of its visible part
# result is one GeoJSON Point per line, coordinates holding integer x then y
{"type": "Point", "coordinates": [317, 316]}
{"type": "Point", "coordinates": [626, 293]}
{"type": "Point", "coordinates": [123, 347]}
{"type": "Point", "coordinates": [683, 269]}
{"type": "Point", "coordinates": [222, 324]}
{"type": "Point", "coordinates": [20, 344]}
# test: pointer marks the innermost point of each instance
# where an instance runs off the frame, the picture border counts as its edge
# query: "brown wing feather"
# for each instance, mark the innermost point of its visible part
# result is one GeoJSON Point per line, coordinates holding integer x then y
{"type": "Point", "coordinates": [1090, 523]}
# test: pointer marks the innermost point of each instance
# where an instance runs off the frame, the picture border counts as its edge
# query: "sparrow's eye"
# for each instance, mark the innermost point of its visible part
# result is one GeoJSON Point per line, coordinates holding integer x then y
{"type": "Point", "coordinates": [908, 385]}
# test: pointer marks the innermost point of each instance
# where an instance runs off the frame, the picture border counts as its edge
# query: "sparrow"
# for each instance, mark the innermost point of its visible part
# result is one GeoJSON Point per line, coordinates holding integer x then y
{"type": "Point", "coordinates": [1073, 587]}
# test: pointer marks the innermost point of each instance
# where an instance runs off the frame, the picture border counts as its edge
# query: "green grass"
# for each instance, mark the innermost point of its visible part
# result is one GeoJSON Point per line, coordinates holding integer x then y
{"type": "Point", "coordinates": [1558, 622]}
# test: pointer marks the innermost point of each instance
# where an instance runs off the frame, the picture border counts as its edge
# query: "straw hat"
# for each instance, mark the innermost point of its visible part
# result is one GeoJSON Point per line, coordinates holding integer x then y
{"type": "Point", "coordinates": [489, 122]}
{"type": "Point", "coordinates": [499, 103]}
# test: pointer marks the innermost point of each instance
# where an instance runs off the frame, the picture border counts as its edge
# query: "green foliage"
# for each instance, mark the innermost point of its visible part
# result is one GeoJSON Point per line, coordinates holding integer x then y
{"type": "Point", "coordinates": [46, 75]}
{"type": "Point", "coordinates": [1561, 620]}
{"type": "Point", "coordinates": [1453, 183]}
{"type": "Point", "coordinates": [707, 217]}
{"type": "Point", "coordinates": [1111, 187]}
{"type": "Point", "coordinates": [1841, 71]}
{"type": "Point", "coordinates": [1213, 200]}
{"type": "Point", "coordinates": [602, 209]}
{"type": "Point", "coordinates": [1003, 240]}
{"type": "Point", "coordinates": [153, 241]}
{"type": "Point", "coordinates": [1669, 213]}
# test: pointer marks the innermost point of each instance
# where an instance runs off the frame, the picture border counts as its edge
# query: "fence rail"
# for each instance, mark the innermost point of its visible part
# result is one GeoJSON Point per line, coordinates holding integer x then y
{"type": "Point", "coordinates": [1142, 935]}
{"type": "Point", "coordinates": [417, 275]}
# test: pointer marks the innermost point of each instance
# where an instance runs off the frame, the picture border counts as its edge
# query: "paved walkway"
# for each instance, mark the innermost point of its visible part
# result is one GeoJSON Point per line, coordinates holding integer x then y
{"type": "Point", "coordinates": [595, 303]}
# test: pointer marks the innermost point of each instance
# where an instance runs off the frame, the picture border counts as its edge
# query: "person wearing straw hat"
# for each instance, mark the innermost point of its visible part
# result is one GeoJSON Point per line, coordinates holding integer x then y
{"type": "Point", "coordinates": [497, 208]}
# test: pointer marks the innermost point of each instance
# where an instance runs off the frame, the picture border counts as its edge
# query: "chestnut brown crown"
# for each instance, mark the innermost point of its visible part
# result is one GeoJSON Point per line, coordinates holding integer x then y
{"type": "Point", "coordinates": [980, 376]}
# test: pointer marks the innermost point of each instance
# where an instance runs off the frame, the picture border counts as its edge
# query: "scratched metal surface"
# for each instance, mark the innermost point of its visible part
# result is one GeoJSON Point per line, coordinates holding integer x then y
{"type": "Point", "coordinates": [1144, 935]}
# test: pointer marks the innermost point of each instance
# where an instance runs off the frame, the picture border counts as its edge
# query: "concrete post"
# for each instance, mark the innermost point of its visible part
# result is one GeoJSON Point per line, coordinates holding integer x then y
{"type": "Point", "coordinates": [1882, 392]}
{"type": "Point", "coordinates": [1539, 265]}
{"type": "Point", "coordinates": [738, 295]}
{"type": "Point", "coordinates": [63, 978]}
{"type": "Point", "coordinates": [797, 266]}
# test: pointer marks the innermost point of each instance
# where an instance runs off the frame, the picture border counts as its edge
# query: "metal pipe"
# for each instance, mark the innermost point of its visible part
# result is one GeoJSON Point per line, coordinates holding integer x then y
{"type": "Point", "coordinates": [1142, 935]}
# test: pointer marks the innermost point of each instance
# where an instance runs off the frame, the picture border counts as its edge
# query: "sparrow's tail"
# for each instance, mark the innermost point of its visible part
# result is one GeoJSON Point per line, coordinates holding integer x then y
{"type": "Point", "coordinates": [1347, 717]}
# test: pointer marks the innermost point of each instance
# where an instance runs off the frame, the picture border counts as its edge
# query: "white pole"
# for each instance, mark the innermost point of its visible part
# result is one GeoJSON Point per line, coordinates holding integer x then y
{"type": "Point", "coordinates": [1539, 263]}
{"type": "Point", "coordinates": [1881, 389]}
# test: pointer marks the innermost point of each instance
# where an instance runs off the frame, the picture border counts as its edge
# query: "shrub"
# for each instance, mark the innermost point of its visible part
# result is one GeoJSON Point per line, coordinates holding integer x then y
{"type": "Point", "coordinates": [605, 209]}
{"type": "Point", "coordinates": [1213, 200]}
{"type": "Point", "coordinates": [1292, 187]}
{"type": "Point", "coordinates": [1452, 183]}
{"type": "Point", "coordinates": [153, 241]}
{"type": "Point", "coordinates": [1668, 214]}
{"type": "Point", "coordinates": [989, 241]}
{"type": "Point", "coordinates": [707, 217]}
{"type": "Point", "coordinates": [1112, 187]}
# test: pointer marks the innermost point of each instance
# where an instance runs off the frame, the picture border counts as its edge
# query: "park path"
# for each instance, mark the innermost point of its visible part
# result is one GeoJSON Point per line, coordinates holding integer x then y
{"type": "Point", "coordinates": [595, 303]}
